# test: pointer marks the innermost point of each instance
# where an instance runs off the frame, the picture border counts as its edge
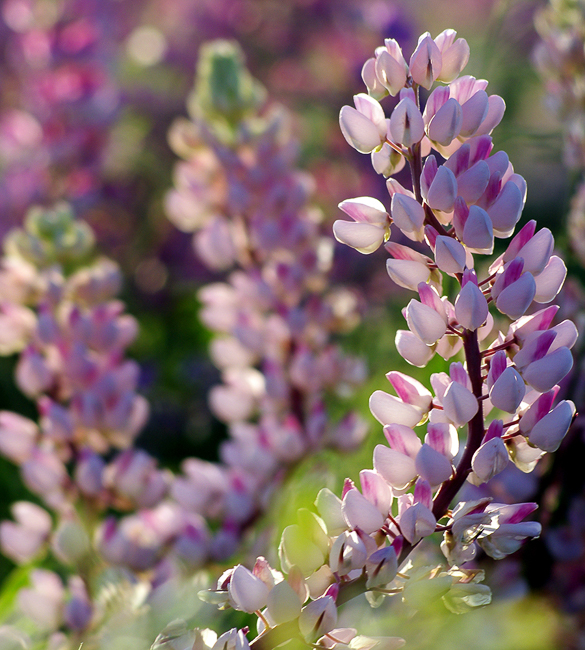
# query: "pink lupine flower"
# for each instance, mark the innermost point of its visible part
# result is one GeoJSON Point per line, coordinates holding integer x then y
{"type": "Point", "coordinates": [295, 549]}
{"type": "Point", "coordinates": [371, 79]}
{"type": "Point", "coordinates": [397, 468]}
{"type": "Point", "coordinates": [247, 592]}
{"type": "Point", "coordinates": [469, 521]}
{"type": "Point", "coordinates": [376, 490]}
{"type": "Point", "coordinates": [454, 54]}
{"type": "Point", "coordinates": [389, 67]}
{"type": "Point", "coordinates": [513, 289]}
{"type": "Point", "coordinates": [412, 349]}
{"type": "Point", "coordinates": [386, 160]}
{"type": "Point", "coordinates": [511, 532]}
{"type": "Point", "coordinates": [549, 282]}
{"type": "Point", "coordinates": [17, 324]}
{"type": "Point", "coordinates": [388, 409]}
{"type": "Point", "coordinates": [426, 319]}
{"type": "Point", "coordinates": [370, 226]}
{"type": "Point", "coordinates": [43, 601]}
{"type": "Point", "coordinates": [381, 567]}
{"type": "Point", "coordinates": [472, 175]}
{"type": "Point", "coordinates": [359, 512]}
{"type": "Point", "coordinates": [408, 268]}
{"type": "Point", "coordinates": [17, 436]}
{"type": "Point", "coordinates": [459, 403]}
{"type": "Point", "coordinates": [432, 466]}
{"type": "Point", "coordinates": [22, 539]}
{"type": "Point", "coordinates": [473, 226]}
{"type": "Point", "coordinates": [450, 255]}
{"type": "Point", "coordinates": [364, 127]}
{"type": "Point", "coordinates": [232, 640]}
{"type": "Point", "coordinates": [457, 225]}
{"type": "Point", "coordinates": [78, 611]}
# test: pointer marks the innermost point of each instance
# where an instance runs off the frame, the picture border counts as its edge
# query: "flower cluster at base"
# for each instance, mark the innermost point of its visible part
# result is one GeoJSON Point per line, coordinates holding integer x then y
{"type": "Point", "coordinates": [361, 541]}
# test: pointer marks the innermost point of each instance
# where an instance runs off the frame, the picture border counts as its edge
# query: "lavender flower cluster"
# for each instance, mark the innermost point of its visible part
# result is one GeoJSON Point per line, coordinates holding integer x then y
{"type": "Point", "coordinates": [503, 393]}
{"type": "Point", "coordinates": [59, 312]}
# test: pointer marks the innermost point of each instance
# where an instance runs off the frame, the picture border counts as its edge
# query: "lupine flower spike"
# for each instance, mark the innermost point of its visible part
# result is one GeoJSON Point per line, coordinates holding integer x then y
{"type": "Point", "coordinates": [498, 391]}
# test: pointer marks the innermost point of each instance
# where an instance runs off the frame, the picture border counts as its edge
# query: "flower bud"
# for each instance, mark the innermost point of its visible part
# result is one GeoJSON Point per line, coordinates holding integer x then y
{"type": "Point", "coordinates": [364, 237]}
{"type": "Point", "coordinates": [426, 62]}
{"type": "Point", "coordinates": [388, 409]}
{"type": "Point", "coordinates": [454, 54]}
{"type": "Point", "coordinates": [445, 125]}
{"type": "Point", "coordinates": [544, 373]}
{"type": "Point", "coordinates": [387, 160]}
{"type": "Point", "coordinates": [459, 404]}
{"type": "Point", "coordinates": [496, 109]}
{"type": "Point", "coordinates": [376, 490]}
{"type": "Point", "coordinates": [425, 322]}
{"type": "Point", "coordinates": [471, 184]}
{"type": "Point", "coordinates": [417, 522]}
{"type": "Point", "coordinates": [329, 508]}
{"type": "Point", "coordinates": [412, 349]}
{"type": "Point", "coordinates": [391, 67]}
{"type": "Point", "coordinates": [318, 617]}
{"type": "Point", "coordinates": [232, 640]}
{"type": "Point", "coordinates": [407, 273]}
{"type": "Point", "coordinates": [505, 211]}
{"type": "Point", "coordinates": [408, 215]}
{"type": "Point", "coordinates": [549, 282]}
{"type": "Point", "coordinates": [247, 592]}
{"type": "Point", "coordinates": [490, 459]}
{"type": "Point", "coordinates": [477, 230]}
{"type": "Point", "coordinates": [360, 513]}
{"type": "Point", "coordinates": [373, 83]}
{"type": "Point", "coordinates": [394, 467]}
{"type": "Point", "coordinates": [508, 391]}
{"type": "Point", "coordinates": [471, 308]}
{"type": "Point", "coordinates": [17, 436]}
{"type": "Point", "coordinates": [473, 113]}
{"type": "Point", "coordinates": [283, 603]}
{"type": "Point", "coordinates": [450, 255]}
{"type": "Point", "coordinates": [347, 553]}
{"type": "Point", "coordinates": [360, 131]}
{"type": "Point", "coordinates": [433, 466]}
{"type": "Point", "coordinates": [381, 567]}
{"type": "Point", "coordinates": [296, 549]}
{"type": "Point", "coordinates": [548, 433]}
{"type": "Point", "coordinates": [515, 299]}
{"type": "Point", "coordinates": [442, 190]}
{"type": "Point", "coordinates": [406, 123]}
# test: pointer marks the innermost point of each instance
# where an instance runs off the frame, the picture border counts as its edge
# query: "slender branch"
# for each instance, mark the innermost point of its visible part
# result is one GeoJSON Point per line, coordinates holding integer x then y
{"type": "Point", "coordinates": [475, 429]}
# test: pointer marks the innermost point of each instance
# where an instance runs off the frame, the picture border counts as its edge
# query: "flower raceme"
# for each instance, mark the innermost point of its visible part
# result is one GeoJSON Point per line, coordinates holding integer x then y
{"type": "Point", "coordinates": [361, 540]}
